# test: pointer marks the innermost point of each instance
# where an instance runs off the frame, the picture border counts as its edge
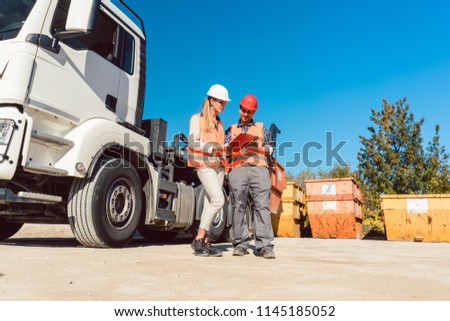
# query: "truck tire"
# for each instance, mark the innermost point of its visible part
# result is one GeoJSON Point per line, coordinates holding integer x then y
{"type": "Point", "coordinates": [104, 209]}
{"type": "Point", "coordinates": [218, 224]}
{"type": "Point", "coordinates": [8, 229]}
{"type": "Point", "coordinates": [228, 235]}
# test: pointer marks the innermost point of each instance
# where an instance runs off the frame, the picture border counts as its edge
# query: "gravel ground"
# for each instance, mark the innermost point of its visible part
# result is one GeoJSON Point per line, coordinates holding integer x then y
{"type": "Point", "coordinates": [44, 262]}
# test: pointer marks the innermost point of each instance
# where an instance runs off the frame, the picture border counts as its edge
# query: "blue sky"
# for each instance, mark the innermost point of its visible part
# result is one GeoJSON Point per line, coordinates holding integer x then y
{"type": "Point", "coordinates": [315, 66]}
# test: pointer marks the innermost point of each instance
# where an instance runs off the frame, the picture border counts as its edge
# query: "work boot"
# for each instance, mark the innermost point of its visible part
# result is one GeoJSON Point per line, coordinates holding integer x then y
{"type": "Point", "coordinates": [199, 248]}
{"type": "Point", "coordinates": [239, 251]}
{"type": "Point", "coordinates": [267, 253]}
{"type": "Point", "coordinates": [214, 252]}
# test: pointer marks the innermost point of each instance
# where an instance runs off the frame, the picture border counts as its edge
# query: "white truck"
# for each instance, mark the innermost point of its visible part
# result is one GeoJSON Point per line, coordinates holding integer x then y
{"type": "Point", "coordinates": [73, 146]}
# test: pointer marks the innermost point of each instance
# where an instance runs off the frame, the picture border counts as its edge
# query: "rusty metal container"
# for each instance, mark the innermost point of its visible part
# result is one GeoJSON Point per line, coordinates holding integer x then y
{"type": "Point", "coordinates": [417, 217]}
{"type": "Point", "coordinates": [334, 208]}
{"type": "Point", "coordinates": [278, 180]}
{"type": "Point", "coordinates": [293, 209]}
{"type": "Point", "coordinates": [332, 189]}
{"type": "Point", "coordinates": [274, 201]}
{"type": "Point", "coordinates": [286, 226]}
{"type": "Point", "coordinates": [287, 223]}
{"type": "Point", "coordinates": [294, 192]}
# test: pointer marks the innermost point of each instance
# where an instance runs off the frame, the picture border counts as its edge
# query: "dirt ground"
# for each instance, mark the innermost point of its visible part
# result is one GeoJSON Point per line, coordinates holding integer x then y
{"type": "Point", "coordinates": [44, 262]}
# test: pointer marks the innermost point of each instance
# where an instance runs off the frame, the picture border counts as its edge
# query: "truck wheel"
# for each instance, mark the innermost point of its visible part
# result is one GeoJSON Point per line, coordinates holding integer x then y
{"type": "Point", "coordinates": [8, 229]}
{"type": "Point", "coordinates": [218, 224]}
{"type": "Point", "coordinates": [228, 235]}
{"type": "Point", "coordinates": [104, 210]}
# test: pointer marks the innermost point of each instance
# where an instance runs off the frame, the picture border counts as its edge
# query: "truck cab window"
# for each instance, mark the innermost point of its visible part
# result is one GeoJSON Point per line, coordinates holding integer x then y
{"type": "Point", "coordinates": [128, 52]}
{"type": "Point", "coordinates": [13, 14]}
{"type": "Point", "coordinates": [108, 39]}
{"type": "Point", "coordinates": [101, 40]}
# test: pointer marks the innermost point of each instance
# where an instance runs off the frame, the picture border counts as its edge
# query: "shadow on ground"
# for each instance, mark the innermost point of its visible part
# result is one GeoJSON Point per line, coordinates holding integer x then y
{"type": "Point", "coordinates": [68, 242]}
{"type": "Point", "coordinates": [375, 236]}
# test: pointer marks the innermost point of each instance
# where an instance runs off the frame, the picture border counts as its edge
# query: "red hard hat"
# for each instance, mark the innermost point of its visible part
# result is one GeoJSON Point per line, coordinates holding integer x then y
{"type": "Point", "coordinates": [249, 102]}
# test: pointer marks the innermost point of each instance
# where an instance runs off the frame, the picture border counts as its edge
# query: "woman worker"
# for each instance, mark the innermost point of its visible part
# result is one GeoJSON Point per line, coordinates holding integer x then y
{"type": "Point", "coordinates": [206, 139]}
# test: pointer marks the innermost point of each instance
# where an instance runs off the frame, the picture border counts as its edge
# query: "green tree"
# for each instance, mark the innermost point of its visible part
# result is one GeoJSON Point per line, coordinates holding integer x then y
{"type": "Point", "coordinates": [302, 176]}
{"type": "Point", "coordinates": [437, 170]}
{"type": "Point", "coordinates": [337, 171]}
{"type": "Point", "coordinates": [392, 159]}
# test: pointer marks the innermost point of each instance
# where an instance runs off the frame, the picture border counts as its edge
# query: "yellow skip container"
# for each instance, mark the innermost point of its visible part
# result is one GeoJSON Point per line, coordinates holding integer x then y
{"type": "Point", "coordinates": [417, 217]}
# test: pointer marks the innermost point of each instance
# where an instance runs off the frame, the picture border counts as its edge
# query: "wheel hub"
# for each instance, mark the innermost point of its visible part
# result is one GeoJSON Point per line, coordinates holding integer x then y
{"type": "Point", "coordinates": [120, 205]}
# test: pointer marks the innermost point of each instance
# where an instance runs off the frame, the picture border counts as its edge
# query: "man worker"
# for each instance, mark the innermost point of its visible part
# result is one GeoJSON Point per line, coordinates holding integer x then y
{"type": "Point", "coordinates": [249, 175]}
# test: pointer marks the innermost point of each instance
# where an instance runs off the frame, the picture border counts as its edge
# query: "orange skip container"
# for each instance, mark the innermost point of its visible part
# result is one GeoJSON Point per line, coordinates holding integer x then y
{"type": "Point", "coordinates": [278, 179]}
{"type": "Point", "coordinates": [288, 221]}
{"type": "Point", "coordinates": [334, 208]}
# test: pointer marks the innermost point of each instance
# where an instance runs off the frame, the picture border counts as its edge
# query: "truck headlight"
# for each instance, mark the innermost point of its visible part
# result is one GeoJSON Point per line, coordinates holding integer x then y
{"type": "Point", "coordinates": [6, 130]}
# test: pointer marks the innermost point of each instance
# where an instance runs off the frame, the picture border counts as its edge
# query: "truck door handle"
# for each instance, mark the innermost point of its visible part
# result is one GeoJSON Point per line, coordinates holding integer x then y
{"type": "Point", "coordinates": [111, 102]}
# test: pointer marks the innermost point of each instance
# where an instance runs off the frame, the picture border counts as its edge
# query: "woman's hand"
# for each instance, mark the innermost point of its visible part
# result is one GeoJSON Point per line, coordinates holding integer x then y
{"type": "Point", "coordinates": [218, 150]}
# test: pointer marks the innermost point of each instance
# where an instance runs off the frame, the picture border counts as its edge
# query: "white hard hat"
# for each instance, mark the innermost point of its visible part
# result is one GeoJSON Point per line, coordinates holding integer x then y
{"type": "Point", "coordinates": [219, 92]}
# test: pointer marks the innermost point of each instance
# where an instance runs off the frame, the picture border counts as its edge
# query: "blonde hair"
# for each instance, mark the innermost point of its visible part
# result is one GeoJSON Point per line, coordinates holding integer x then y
{"type": "Point", "coordinates": [206, 110]}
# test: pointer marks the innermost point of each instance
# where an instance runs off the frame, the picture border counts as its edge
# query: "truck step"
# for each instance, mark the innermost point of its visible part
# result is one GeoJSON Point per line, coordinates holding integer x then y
{"type": "Point", "coordinates": [9, 197]}
{"type": "Point", "coordinates": [39, 169]}
{"type": "Point", "coordinates": [40, 197]}
{"type": "Point", "coordinates": [51, 139]}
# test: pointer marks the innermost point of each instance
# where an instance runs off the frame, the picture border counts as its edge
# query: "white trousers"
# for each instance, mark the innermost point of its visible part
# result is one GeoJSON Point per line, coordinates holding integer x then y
{"type": "Point", "coordinates": [212, 180]}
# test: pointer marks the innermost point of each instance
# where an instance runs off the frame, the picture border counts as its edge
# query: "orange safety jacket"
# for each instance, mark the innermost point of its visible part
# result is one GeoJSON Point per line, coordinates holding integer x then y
{"type": "Point", "coordinates": [200, 157]}
{"type": "Point", "coordinates": [251, 156]}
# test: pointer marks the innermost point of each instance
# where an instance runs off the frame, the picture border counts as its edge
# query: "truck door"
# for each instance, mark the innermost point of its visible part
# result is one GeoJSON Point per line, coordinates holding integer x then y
{"type": "Point", "coordinates": [81, 80]}
{"type": "Point", "coordinates": [128, 100]}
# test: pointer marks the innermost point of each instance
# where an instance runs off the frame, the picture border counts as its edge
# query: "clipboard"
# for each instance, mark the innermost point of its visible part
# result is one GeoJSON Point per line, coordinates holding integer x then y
{"type": "Point", "coordinates": [240, 141]}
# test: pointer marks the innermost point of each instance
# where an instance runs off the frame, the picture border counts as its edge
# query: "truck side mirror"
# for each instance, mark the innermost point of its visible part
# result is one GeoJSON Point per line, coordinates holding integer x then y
{"type": "Point", "coordinates": [80, 18]}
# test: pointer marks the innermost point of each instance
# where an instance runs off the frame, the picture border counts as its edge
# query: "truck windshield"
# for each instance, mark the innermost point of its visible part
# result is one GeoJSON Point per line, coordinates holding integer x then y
{"type": "Point", "coordinates": [13, 14]}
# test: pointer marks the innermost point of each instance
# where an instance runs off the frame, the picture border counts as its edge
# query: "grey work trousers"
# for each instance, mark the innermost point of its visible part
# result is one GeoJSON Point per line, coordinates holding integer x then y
{"type": "Point", "coordinates": [254, 181]}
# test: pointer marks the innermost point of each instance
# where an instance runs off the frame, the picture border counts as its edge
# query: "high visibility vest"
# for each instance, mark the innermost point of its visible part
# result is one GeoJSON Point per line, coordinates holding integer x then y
{"type": "Point", "coordinates": [200, 157]}
{"type": "Point", "coordinates": [251, 156]}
